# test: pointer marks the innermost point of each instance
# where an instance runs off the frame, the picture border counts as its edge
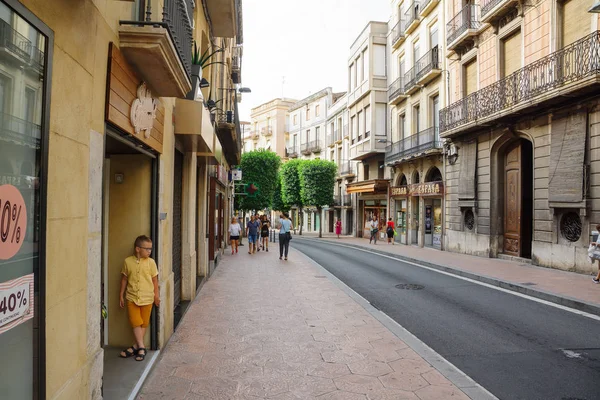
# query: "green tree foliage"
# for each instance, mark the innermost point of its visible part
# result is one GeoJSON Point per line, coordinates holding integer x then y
{"type": "Point", "coordinates": [290, 186]}
{"type": "Point", "coordinates": [317, 180]}
{"type": "Point", "coordinates": [259, 167]}
{"type": "Point", "coordinates": [278, 203]}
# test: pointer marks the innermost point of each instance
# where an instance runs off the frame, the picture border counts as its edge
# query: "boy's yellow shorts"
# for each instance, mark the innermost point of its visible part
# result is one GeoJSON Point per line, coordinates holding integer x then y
{"type": "Point", "coordinates": [139, 315]}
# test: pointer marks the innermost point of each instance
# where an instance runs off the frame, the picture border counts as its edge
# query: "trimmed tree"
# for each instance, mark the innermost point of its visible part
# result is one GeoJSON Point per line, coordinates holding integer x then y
{"type": "Point", "coordinates": [290, 186]}
{"type": "Point", "coordinates": [317, 180]}
{"type": "Point", "coordinates": [260, 169]}
{"type": "Point", "coordinates": [278, 203]}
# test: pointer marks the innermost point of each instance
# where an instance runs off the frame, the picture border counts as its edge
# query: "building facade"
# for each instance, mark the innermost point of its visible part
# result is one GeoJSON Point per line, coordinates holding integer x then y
{"type": "Point", "coordinates": [368, 125]}
{"type": "Point", "coordinates": [103, 137]}
{"type": "Point", "coordinates": [269, 127]}
{"type": "Point", "coordinates": [416, 94]}
{"type": "Point", "coordinates": [522, 160]}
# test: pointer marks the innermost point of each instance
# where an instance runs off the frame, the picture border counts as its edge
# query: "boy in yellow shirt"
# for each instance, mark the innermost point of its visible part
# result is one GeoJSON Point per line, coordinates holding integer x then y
{"type": "Point", "coordinates": [140, 277]}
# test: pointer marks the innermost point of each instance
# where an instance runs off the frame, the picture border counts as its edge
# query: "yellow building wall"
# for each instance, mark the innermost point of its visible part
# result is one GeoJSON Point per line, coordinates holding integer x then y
{"type": "Point", "coordinates": [129, 217]}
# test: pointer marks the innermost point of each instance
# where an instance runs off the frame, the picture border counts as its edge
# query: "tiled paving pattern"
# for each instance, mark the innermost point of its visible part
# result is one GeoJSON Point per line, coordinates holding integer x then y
{"type": "Point", "coordinates": [262, 328]}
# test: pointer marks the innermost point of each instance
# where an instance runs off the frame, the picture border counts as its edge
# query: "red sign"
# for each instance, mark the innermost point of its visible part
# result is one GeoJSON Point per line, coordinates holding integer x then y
{"type": "Point", "coordinates": [13, 221]}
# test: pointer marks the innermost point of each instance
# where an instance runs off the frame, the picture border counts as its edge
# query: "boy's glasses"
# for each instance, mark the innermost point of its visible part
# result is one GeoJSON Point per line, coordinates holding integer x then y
{"type": "Point", "coordinates": [146, 248]}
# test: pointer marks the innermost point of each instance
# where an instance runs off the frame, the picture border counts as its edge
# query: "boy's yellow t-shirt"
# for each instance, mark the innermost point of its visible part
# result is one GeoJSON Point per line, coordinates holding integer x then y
{"type": "Point", "coordinates": [139, 273]}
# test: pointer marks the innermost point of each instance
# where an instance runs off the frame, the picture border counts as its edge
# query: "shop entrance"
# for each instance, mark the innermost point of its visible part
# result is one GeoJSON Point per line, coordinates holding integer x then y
{"type": "Point", "coordinates": [374, 208]}
{"type": "Point", "coordinates": [518, 199]}
{"type": "Point", "coordinates": [433, 213]}
{"type": "Point", "coordinates": [129, 210]}
{"type": "Point", "coordinates": [401, 221]}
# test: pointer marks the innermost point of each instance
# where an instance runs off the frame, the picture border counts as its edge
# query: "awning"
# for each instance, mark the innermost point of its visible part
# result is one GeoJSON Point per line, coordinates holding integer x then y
{"type": "Point", "coordinates": [372, 186]}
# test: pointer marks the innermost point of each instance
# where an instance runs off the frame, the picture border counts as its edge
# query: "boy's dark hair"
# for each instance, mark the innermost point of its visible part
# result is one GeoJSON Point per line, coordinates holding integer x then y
{"type": "Point", "coordinates": [139, 241]}
{"type": "Point", "coordinates": [598, 227]}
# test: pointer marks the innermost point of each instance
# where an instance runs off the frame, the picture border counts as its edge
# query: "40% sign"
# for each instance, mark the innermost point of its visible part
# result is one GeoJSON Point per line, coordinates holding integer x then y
{"type": "Point", "coordinates": [13, 221]}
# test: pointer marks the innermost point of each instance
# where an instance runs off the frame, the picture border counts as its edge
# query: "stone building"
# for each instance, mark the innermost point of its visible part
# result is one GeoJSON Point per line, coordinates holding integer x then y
{"type": "Point", "coordinates": [416, 93]}
{"type": "Point", "coordinates": [522, 173]}
{"type": "Point", "coordinates": [269, 126]}
{"type": "Point", "coordinates": [103, 137]}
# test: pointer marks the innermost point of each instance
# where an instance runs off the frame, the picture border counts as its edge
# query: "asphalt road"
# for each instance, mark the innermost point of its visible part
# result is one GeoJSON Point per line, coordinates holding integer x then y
{"type": "Point", "coordinates": [514, 347]}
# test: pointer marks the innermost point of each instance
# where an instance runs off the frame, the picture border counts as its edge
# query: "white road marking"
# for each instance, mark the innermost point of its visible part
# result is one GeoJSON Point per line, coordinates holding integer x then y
{"type": "Point", "coordinates": [571, 354]}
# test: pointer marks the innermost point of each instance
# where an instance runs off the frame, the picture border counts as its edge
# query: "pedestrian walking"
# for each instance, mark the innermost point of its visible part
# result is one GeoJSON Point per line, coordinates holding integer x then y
{"type": "Point", "coordinates": [593, 253]}
{"type": "Point", "coordinates": [285, 235]}
{"type": "Point", "coordinates": [264, 233]}
{"type": "Point", "coordinates": [374, 225]}
{"type": "Point", "coordinates": [252, 234]}
{"type": "Point", "coordinates": [338, 227]}
{"type": "Point", "coordinates": [234, 234]}
{"type": "Point", "coordinates": [139, 290]}
{"type": "Point", "coordinates": [390, 231]}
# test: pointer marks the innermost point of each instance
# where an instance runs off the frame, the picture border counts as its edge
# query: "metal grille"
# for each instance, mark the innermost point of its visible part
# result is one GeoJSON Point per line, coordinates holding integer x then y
{"type": "Point", "coordinates": [177, 212]}
{"type": "Point", "coordinates": [396, 88]}
{"type": "Point", "coordinates": [570, 226]}
{"type": "Point", "coordinates": [417, 143]}
{"type": "Point", "coordinates": [469, 220]}
{"type": "Point", "coordinates": [467, 18]}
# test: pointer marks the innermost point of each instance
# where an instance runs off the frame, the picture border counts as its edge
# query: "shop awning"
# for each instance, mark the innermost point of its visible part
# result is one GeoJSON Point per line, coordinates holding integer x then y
{"type": "Point", "coordinates": [372, 186]}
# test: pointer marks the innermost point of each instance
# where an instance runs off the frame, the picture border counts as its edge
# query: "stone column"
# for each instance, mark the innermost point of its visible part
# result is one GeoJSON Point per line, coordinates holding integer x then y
{"type": "Point", "coordinates": [188, 242]}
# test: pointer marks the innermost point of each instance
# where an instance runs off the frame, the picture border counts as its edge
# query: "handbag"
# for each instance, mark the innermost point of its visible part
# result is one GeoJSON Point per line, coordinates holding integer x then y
{"type": "Point", "coordinates": [288, 235]}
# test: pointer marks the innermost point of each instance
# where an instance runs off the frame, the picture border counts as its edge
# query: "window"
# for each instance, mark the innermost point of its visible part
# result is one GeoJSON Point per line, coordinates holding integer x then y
{"type": "Point", "coordinates": [295, 119]}
{"type": "Point", "coordinates": [380, 170]}
{"type": "Point", "coordinates": [511, 54]}
{"type": "Point", "coordinates": [401, 126]}
{"type": "Point", "coordinates": [332, 132]}
{"type": "Point", "coordinates": [366, 172]}
{"type": "Point", "coordinates": [416, 52]}
{"type": "Point", "coordinates": [366, 67]}
{"type": "Point", "coordinates": [354, 76]}
{"type": "Point", "coordinates": [416, 119]}
{"type": "Point", "coordinates": [308, 114]}
{"type": "Point", "coordinates": [295, 141]}
{"type": "Point", "coordinates": [361, 125]}
{"type": "Point", "coordinates": [308, 136]}
{"type": "Point", "coordinates": [434, 36]}
{"type": "Point", "coordinates": [317, 133]}
{"type": "Point", "coordinates": [575, 21]}
{"type": "Point", "coordinates": [353, 129]}
{"type": "Point", "coordinates": [29, 104]}
{"type": "Point", "coordinates": [317, 110]}
{"type": "Point", "coordinates": [401, 67]}
{"type": "Point", "coordinates": [379, 66]}
{"type": "Point", "coordinates": [435, 117]}
{"type": "Point", "coordinates": [367, 121]}
{"type": "Point", "coordinates": [381, 119]}
{"type": "Point", "coordinates": [470, 77]}
{"type": "Point", "coordinates": [360, 72]}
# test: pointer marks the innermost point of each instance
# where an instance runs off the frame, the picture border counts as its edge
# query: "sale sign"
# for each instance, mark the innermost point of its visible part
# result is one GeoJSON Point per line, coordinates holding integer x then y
{"type": "Point", "coordinates": [13, 221]}
{"type": "Point", "coordinates": [16, 302]}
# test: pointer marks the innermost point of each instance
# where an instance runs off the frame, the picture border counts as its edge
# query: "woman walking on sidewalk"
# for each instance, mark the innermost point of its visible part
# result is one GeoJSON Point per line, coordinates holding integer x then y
{"type": "Point", "coordinates": [264, 233]}
{"type": "Point", "coordinates": [235, 231]}
{"type": "Point", "coordinates": [390, 231]}
{"type": "Point", "coordinates": [338, 227]}
{"type": "Point", "coordinates": [285, 226]}
{"type": "Point", "coordinates": [374, 229]}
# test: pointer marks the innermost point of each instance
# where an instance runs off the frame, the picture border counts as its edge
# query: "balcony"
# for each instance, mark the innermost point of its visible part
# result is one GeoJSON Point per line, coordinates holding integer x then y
{"type": "Point", "coordinates": [292, 152]}
{"type": "Point", "coordinates": [396, 91]}
{"type": "Point", "coordinates": [493, 10]}
{"type": "Point", "coordinates": [254, 135]}
{"type": "Point", "coordinates": [227, 128]}
{"type": "Point", "coordinates": [367, 148]}
{"type": "Point", "coordinates": [337, 200]}
{"type": "Point", "coordinates": [236, 71]}
{"type": "Point", "coordinates": [424, 142]}
{"type": "Point", "coordinates": [305, 149]}
{"type": "Point", "coordinates": [193, 126]}
{"type": "Point", "coordinates": [315, 146]}
{"type": "Point", "coordinates": [160, 51]}
{"type": "Point", "coordinates": [428, 67]}
{"type": "Point", "coordinates": [398, 34]}
{"type": "Point", "coordinates": [410, 81]}
{"type": "Point", "coordinates": [346, 168]}
{"type": "Point", "coordinates": [555, 79]}
{"type": "Point", "coordinates": [464, 25]}
{"type": "Point", "coordinates": [266, 131]}
{"type": "Point", "coordinates": [223, 16]}
{"type": "Point", "coordinates": [347, 200]}
{"type": "Point", "coordinates": [17, 130]}
{"type": "Point", "coordinates": [19, 47]}
{"type": "Point", "coordinates": [412, 17]}
{"type": "Point", "coordinates": [427, 6]}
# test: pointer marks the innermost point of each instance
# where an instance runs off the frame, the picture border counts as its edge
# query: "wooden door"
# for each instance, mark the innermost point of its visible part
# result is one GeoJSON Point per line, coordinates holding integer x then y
{"type": "Point", "coordinates": [512, 201]}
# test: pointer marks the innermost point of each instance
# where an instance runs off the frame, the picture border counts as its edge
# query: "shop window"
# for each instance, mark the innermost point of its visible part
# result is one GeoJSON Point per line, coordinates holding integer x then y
{"type": "Point", "coordinates": [570, 226]}
{"type": "Point", "coordinates": [434, 175]}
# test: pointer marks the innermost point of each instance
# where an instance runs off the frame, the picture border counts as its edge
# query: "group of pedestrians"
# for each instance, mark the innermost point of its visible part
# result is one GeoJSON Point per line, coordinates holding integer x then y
{"type": "Point", "coordinates": [257, 232]}
{"type": "Point", "coordinates": [390, 230]}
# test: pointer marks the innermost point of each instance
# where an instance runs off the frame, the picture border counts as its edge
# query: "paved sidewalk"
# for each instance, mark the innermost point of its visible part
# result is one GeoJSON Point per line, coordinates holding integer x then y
{"type": "Point", "coordinates": [264, 328]}
{"type": "Point", "coordinates": [571, 289]}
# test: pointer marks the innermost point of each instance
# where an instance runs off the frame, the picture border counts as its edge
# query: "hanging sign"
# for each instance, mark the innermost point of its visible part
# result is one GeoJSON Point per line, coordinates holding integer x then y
{"type": "Point", "coordinates": [399, 191]}
{"type": "Point", "coordinates": [16, 302]}
{"type": "Point", "coordinates": [236, 174]}
{"type": "Point", "coordinates": [13, 221]}
{"type": "Point", "coordinates": [427, 189]}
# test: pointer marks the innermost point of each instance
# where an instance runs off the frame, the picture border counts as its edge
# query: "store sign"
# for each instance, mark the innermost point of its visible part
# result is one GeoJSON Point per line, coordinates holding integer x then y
{"type": "Point", "coordinates": [399, 191]}
{"type": "Point", "coordinates": [16, 302]}
{"type": "Point", "coordinates": [236, 174]}
{"type": "Point", "coordinates": [427, 189]}
{"type": "Point", "coordinates": [143, 111]}
{"type": "Point", "coordinates": [13, 221]}
{"type": "Point", "coordinates": [222, 174]}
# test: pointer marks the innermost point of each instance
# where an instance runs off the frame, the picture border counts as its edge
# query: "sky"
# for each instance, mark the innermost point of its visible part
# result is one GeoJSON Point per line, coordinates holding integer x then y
{"type": "Point", "coordinates": [306, 41]}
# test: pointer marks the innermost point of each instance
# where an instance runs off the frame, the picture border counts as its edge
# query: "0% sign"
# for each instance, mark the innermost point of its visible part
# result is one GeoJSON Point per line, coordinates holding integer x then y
{"type": "Point", "coordinates": [13, 221]}
{"type": "Point", "coordinates": [14, 303]}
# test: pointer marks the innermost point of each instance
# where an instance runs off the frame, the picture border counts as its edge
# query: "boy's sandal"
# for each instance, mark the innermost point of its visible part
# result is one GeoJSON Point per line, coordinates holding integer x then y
{"type": "Point", "coordinates": [140, 356]}
{"type": "Point", "coordinates": [129, 352]}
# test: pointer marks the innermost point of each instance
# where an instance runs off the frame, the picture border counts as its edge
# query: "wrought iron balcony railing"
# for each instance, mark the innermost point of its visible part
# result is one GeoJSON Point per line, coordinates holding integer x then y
{"type": "Point", "coordinates": [428, 62]}
{"type": "Point", "coordinates": [398, 31]}
{"type": "Point", "coordinates": [337, 200]}
{"type": "Point", "coordinates": [396, 88]}
{"type": "Point", "coordinates": [266, 131]}
{"type": "Point", "coordinates": [410, 79]}
{"type": "Point", "coordinates": [347, 200]}
{"type": "Point", "coordinates": [20, 130]}
{"type": "Point", "coordinates": [346, 168]}
{"type": "Point", "coordinates": [488, 5]}
{"type": "Point", "coordinates": [571, 64]}
{"type": "Point", "coordinates": [305, 148]}
{"type": "Point", "coordinates": [19, 45]}
{"type": "Point", "coordinates": [315, 146]}
{"type": "Point", "coordinates": [467, 18]}
{"type": "Point", "coordinates": [292, 152]}
{"type": "Point", "coordinates": [412, 13]}
{"type": "Point", "coordinates": [417, 143]}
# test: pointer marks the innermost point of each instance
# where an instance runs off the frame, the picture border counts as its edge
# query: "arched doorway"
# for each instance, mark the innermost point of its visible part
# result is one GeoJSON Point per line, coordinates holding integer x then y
{"type": "Point", "coordinates": [517, 176]}
{"type": "Point", "coordinates": [433, 175]}
{"type": "Point", "coordinates": [433, 212]}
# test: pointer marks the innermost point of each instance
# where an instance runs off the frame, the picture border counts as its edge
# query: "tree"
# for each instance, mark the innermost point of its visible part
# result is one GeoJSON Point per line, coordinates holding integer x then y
{"type": "Point", "coordinates": [317, 180]}
{"type": "Point", "coordinates": [259, 170]}
{"type": "Point", "coordinates": [278, 203]}
{"type": "Point", "coordinates": [290, 186]}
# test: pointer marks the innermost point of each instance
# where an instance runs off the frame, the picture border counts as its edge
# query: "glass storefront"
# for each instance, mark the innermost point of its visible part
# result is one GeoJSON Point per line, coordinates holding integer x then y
{"type": "Point", "coordinates": [22, 100]}
{"type": "Point", "coordinates": [371, 209]}
{"type": "Point", "coordinates": [400, 221]}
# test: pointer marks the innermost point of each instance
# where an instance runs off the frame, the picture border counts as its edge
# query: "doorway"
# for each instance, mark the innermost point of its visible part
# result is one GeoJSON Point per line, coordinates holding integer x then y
{"type": "Point", "coordinates": [177, 233]}
{"type": "Point", "coordinates": [518, 199]}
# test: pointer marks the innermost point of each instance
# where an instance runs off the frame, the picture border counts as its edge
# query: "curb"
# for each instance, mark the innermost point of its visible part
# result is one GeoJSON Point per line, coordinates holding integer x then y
{"type": "Point", "coordinates": [565, 301]}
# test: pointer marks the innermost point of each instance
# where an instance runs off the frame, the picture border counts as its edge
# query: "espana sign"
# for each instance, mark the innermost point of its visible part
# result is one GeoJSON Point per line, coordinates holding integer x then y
{"type": "Point", "coordinates": [418, 189]}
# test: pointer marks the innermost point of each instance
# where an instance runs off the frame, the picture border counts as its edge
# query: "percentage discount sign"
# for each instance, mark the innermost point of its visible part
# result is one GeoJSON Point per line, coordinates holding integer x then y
{"type": "Point", "coordinates": [13, 221]}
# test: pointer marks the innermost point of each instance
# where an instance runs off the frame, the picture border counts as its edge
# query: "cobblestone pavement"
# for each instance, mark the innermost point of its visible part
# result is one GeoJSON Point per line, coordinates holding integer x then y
{"type": "Point", "coordinates": [262, 328]}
